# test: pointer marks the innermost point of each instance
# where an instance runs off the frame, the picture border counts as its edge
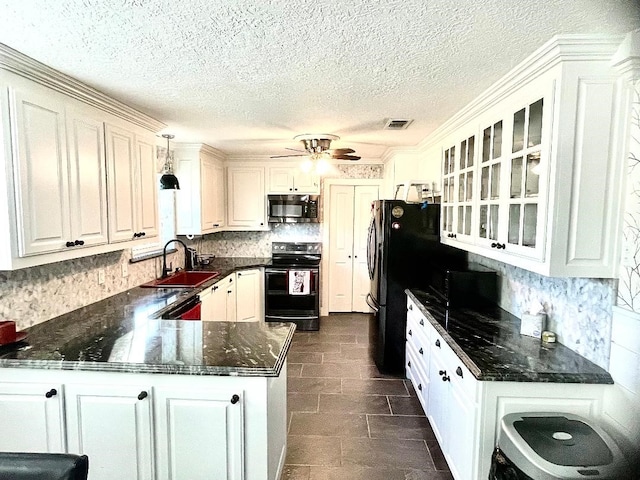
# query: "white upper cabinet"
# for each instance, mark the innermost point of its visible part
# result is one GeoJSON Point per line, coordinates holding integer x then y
{"type": "Point", "coordinates": [291, 180]}
{"type": "Point", "coordinates": [541, 187]}
{"type": "Point", "coordinates": [246, 198]}
{"type": "Point", "coordinates": [132, 184]}
{"type": "Point", "coordinates": [60, 172]}
{"type": "Point", "coordinates": [201, 198]}
{"type": "Point", "coordinates": [77, 169]}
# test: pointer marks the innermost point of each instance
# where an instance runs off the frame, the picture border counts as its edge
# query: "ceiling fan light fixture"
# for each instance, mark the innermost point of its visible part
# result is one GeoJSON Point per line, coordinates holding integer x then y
{"type": "Point", "coordinates": [168, 181]}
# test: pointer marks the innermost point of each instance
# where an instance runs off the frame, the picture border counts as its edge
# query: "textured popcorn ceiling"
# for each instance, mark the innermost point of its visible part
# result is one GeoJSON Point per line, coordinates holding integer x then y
{"type": "Point", "coordinates": [246, 76]}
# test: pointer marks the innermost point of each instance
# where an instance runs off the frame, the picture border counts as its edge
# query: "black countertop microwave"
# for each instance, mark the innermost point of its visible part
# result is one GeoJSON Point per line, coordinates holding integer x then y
{"type": "Point", "coordinates": [293, 208]}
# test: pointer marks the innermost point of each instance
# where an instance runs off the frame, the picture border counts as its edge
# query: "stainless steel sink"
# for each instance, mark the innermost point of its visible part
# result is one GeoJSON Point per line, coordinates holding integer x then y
{"type": "Point", "coordinates": [183, 279]}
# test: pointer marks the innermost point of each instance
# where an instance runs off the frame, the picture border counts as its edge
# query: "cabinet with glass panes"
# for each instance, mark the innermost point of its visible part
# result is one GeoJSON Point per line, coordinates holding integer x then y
{"type": "Point", "coordinates": [458, 192]}
{"type": "Point", "coordinates": [510, 183]}
{"type": "Point", "coordinates": [547, 174]}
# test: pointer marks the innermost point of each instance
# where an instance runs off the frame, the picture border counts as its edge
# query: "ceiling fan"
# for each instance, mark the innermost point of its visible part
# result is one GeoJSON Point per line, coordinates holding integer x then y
{"type": "Point", "coordinates": [317, 146]}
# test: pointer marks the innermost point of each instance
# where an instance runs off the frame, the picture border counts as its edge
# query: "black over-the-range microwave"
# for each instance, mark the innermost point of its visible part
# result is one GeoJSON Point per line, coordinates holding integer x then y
{"type": "Point", "coordinates": [293, 208]}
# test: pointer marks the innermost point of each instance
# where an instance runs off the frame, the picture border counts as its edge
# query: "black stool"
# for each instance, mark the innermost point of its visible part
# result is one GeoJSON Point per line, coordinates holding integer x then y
{"type": "Point", "coordinates": [43, 466]}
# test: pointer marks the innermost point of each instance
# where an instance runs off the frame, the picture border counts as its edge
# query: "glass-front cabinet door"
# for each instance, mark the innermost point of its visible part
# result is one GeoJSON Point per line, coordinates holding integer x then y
{"type": "Point", "coordinates": [448, 194]}
{"type": "Point", "coordinates": [458, 189]}
{"type": "Point", "coordinates": [490, 170]}
{"type": "Point", "coordinates": [523, 226]}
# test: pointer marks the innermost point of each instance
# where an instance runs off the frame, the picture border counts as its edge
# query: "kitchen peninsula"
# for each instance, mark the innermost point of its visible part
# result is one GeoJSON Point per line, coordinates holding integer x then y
{"type": "Point", "coordinates": [150, 398]}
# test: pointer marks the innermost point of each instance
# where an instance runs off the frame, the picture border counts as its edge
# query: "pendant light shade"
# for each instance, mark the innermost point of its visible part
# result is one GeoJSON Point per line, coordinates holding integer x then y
{"type": "Point", "coordinates": [168, 181]}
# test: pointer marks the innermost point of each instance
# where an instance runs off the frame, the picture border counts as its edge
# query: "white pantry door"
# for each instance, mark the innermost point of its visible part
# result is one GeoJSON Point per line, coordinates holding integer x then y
{"type": "Point", "coordinates": [350, 211]}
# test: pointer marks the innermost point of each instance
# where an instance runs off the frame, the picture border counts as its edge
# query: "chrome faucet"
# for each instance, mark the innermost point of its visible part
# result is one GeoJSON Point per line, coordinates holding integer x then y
{"type": "Point", "coordinates": [187, 257]}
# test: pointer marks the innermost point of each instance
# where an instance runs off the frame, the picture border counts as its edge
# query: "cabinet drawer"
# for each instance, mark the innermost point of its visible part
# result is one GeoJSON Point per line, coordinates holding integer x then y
{"type": "Point", "coordinates": [421, 323]}
{"type": "Point", "coordinates": [458, 374]}
{"type": "Point", "coordinates": [415, 371]}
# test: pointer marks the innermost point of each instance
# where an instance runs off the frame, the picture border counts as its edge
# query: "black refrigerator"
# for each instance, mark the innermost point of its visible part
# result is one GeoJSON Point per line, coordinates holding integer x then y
{"type": "Point", "coordinates": [403, 248]}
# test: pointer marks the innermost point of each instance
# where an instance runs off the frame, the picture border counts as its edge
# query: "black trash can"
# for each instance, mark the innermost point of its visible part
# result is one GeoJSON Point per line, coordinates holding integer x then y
{"type": "Point", "coordinates": [555, 446]}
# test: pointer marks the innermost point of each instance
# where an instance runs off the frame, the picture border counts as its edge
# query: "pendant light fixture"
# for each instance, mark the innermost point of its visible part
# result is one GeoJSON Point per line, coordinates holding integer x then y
{"type": "Point", "coordinates": [168, 181]}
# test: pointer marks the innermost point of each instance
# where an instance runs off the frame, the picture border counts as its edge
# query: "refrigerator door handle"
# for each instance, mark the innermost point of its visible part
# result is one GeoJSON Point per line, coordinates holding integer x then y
{"type": "Point", "coordinates": [371, 247]}
{"type": "Point", "coordinates": [375, 306]}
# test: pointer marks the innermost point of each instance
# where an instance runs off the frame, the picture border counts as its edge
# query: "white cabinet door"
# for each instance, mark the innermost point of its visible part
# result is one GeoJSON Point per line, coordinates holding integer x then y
{"type": "Point", "coordinates": [341, 248]}
{"type": "Point", "coordinates": [132, 180]}
{"type": "Point", "coordinates": [147, 187]}
{"type": "Point", "coordinates": [291, 180]}
{"type": "Point", "coordinates": [199, 434]}
{"type": "Point", "coordinates": [200, 201]}
{"type": "Point", "coordinates": [112, 425]}
{"type": "Point", "coordinates": [220, 305]}
{"type": "Point", "coordinates": [350, 213]}
{"type": "Point", "coordinates": [232, 308]}
{"type": "Point", "coordinates": [207, 187]}
{"type": "Point", "coordinates": [438, 394]}
{"type": "Point", "coordinates": [219, 202]}
{"type": "Point", "coordinates": [219, 301]}
{"type": "Point", "coordinates": [121, 170]}
{"type": "Point", "coordinates": [249, 293]}
{"type": "Point", "coordinates": [32, 418]}
{"type": "Point", "coordinates": [281, 180]}
{"type": "Point", "coordinates": [42, 184]}
{"type": "Point", "coordinates": [88, 178]}
{"type": "Point", "coordinates": [461, 424]}
{"type": "Point", "coordinates": [246, 208]}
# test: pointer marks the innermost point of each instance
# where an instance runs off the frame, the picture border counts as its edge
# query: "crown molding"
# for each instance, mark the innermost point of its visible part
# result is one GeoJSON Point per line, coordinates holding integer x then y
{"type": "Point", "coordinates": [559, 49]}
{"type": "Point", "coordinates": [200, 147]}
{"type": "Point", "coordinates": [627, 58]}
{"type": "Point", "coordinates": [15, 62]}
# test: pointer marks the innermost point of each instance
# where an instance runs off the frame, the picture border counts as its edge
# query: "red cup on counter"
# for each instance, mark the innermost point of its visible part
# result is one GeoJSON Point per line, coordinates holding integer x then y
{"type": "Point", "coordinates": [8, 333]}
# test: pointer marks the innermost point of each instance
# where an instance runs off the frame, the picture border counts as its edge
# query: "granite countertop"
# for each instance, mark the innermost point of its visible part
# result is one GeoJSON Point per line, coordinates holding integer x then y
{"type": "Point", "coordinates": [489, 343]}
{"type": "Point", "coordinates": [121, 334]}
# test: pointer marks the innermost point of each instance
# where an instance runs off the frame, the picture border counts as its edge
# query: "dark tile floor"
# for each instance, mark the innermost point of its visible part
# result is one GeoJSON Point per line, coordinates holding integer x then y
{"type": "Point", "coordinates": [346, 420]}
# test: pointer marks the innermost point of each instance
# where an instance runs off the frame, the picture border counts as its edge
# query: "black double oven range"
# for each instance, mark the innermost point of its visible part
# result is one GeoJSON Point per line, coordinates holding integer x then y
{"type": "Point", "coordinates": [292, 284]}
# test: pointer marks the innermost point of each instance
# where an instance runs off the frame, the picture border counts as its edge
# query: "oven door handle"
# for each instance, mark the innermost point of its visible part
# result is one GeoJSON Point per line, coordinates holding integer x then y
{"type": "Point", "coordinates": [375, 306]}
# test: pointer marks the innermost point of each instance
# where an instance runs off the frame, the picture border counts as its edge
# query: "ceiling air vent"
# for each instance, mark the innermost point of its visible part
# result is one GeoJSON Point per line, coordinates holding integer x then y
{"type": "Point", "coordinates": [396, 124]}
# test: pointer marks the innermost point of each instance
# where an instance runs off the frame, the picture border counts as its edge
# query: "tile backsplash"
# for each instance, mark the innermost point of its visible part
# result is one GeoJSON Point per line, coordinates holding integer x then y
{"type": "Point", "coordinates": [33, 295]}
{"type": "Point", "coordinates": [579, 310]}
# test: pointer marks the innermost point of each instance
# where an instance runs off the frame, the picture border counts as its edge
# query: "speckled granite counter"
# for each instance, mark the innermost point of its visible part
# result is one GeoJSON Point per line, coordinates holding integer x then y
{"type": "Point", "coordinates": [490, 345]}
{"type": "Point", "coordinates": [120, 334]}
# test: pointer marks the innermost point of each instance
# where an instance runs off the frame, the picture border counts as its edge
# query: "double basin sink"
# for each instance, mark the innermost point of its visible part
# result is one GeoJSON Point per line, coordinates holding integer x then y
{"type": "Point", "coordinates": [182, 279]}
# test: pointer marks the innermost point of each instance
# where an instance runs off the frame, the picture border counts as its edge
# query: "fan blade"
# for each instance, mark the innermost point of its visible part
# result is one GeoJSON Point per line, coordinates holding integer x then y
{"type": "Point", "coordinates": [346, 157]}
{"type": "Point", "coordinates": [295, 150]}
{"type": "Point", "coordinates": [287, 156]}
{"type": "Point", "coordinates": [342, 151]}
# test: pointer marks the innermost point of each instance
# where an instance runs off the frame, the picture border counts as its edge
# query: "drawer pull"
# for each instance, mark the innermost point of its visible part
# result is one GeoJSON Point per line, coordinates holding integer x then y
{"type": "Point", "coordinates": [446, 378]}
{"type": "Point", "coordinates": [409, 364]}
{"type": "Point", "coordinates": [235, 399]}
{"type": "Point", "coordinates": [421, 351]}
{"type": "Point", "coordinates": [420, 386]}
{"type": "Point", "coordinates": [410, 333]}
{"type": "Point", "coordinates": [422, 322]}
{"type": "Point", "coordinates": [459, 371]}
{"type": "Point", "coordinates": [442, 372]}
{"type": "Point", "coordinates": [438, 343]}
{"type": "Point", "coordinates": [51, 393]}
{"type": "Point", "coordinates": [410, 307]}
{"type": "Point", "coordinates": [142, 395]}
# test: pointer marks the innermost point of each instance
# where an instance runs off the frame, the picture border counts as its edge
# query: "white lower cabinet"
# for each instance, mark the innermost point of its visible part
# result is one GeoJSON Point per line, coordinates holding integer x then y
{"type": "Point", "coordinates": [464, 412]}
{"type": "Point", "coordinates": [199, 434]}
{"type": "Point", "coordinates": [32, 418]}
{"type": "Point", "coordinates": [249, 295]}
{"type": "Point", "coordinates": [112, 425]}
{"type": "Point", "coordinates": [139, 426]}
{"type": "Point", "coordinates": [237, 297]}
